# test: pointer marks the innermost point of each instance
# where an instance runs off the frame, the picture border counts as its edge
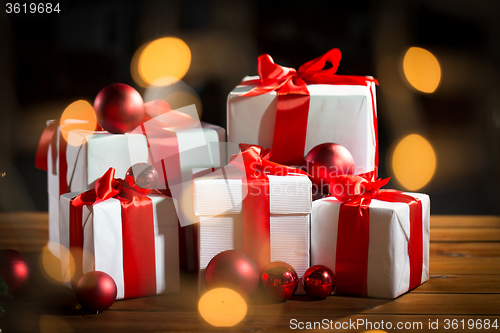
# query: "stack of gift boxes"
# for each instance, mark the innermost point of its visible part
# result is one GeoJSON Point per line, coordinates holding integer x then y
{"type": "Point", "coordinates": [376, 242]}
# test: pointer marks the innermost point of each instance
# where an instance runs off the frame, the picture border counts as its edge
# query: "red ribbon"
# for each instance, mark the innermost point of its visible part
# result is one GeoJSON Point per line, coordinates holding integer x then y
{"type": "Point", "coordinates": [255, 163]}
{"type": "Point", "coordinates": [49, 137]}
{"type": "Point", "coordinates": [292, 109]}
{"type": "Point", "coordinates": [351, 263]}
{"type": "Point", "coordinates": [139, 270]}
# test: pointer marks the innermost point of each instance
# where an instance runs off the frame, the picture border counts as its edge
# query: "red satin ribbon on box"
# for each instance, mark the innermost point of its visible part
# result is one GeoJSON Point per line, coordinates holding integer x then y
{"type": "Point", "coordinates": [351, 263]}
{"type": "Point", "coordinates": [292, 109]}
{"type": "Point", "coordinates": [139, 270]}
{"type": "Point", "coordinates": [164, 156]}
{"type": "Point", "coordinates": [256, 204]}
{"type": "Point", "coordinates": [49, 138]}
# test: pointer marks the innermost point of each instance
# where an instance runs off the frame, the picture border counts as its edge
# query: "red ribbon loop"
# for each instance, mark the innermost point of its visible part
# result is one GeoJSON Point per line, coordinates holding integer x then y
{"type": "Point", "coordinates": [347, 188]}
{"type": "Point", "coordinates": [274, 77]}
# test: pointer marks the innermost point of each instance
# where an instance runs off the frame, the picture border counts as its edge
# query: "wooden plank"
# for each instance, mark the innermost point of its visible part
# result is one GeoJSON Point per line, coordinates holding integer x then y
{"type": "Point", "coordinates": [460, 284]}
{"type": "Point", "coordinates": [465, 235]}
{"type": "Point", "coordinates": [24, 231]}
{"type": "Point", "coordinates": [464, 258]}
{"type": "Point", "coordinates": [132, 321]}
{"type": "Point", "coordinates": [447, 265]}
{"type": "Point", "coordinates": [464, 221]}
{"type": "Point", "coordinates": [473, 249]}
{"type": "Point", "coordinates": [410, 303]}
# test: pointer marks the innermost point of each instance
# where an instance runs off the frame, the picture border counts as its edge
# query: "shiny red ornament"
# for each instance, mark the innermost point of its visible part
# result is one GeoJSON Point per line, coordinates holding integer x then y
{"type": "Point", "coordinates": [142, 178]}
{"type": "Point", "coordinates": [279, 279]}
{"type": "Point", "coordinates": [16, 270]}
{"type": "Point", "coordinates": [234, 270]}
{"type": "Point", "coordinates": [319, 281]}
{"type": "Point", "coordinates": [326, 161]}
{"type": "Point", "coordinates": [96, 291]}
{"type": "Point", "coordinates": [119, 108]}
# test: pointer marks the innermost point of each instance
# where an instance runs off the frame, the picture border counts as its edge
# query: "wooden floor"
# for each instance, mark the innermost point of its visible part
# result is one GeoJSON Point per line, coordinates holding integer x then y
{"type": "Point", "coordinates": [464, 290]}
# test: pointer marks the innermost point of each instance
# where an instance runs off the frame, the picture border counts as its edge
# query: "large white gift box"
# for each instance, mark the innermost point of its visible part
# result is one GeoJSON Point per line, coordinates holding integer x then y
{"type": "Point", "coordinates": [342, 114]}
{"type": "Point", "coordinates": [218, 198]}
{"type": "Point", "coordinates": [388, 265]}
{"type": "Point", "coordinates": [103, 244]}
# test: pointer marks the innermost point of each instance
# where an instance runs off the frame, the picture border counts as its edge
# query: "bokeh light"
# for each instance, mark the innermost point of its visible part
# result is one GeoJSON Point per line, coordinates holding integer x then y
{"type": "Point", "coordinates": [222, 307]}
{"type": "Point", "coordinates": [163, 61]}
{"type": "Point", "coordinates": [177, 94]}
{"type": "Point", "coordinates": [50, 324]}
{"type": "Point", "coordinates": [52, 268]}
{"type": "Point", "coordinates": [413, 162]}
{"type": "Point", "coordinates": [422, 69]}
{"type": "Point", "coordinates": [79, 115]}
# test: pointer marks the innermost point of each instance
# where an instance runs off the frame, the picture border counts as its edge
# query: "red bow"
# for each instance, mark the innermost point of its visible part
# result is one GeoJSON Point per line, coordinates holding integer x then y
{"type": "Point", "coordinates": [254, 161]}
{"type": "Point", "coordinates": [287, 80]}
{"type": "Point", "coordinates": [354, 188]}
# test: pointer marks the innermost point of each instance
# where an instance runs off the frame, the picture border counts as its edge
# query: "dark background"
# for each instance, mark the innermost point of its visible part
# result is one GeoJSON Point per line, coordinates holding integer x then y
{"type": "Point", "coordinates": [48, 61]}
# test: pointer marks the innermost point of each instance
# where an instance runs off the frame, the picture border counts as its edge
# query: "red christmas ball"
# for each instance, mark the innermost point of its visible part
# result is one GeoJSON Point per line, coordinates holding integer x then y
{"type": "Point", "coordinates": [142, 178]}
{"type": "Point", "coordinates": [234, 270]}
{"type": "Point", "coordinates": [326, 161]}
{"type": "Point", "coordinates": [319, 281]}
{"type": "Point", "coordinates": [96, 291]}
{"type": "Point", "coordinates": [279, 279]}
{"type": "Point", "coordinates": [15, 269]}
{"type": "Point", "coordinates": [119, 108]}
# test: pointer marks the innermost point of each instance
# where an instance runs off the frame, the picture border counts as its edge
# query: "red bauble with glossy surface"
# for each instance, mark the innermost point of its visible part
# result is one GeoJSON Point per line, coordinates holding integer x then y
{"type": "Point", "coordinates": [96, 291]}
{"type": "Point", "coordinates": [279, 279]}
{"type": "Point", "coordinates": [319, 281]}
{"type": "Point", "coordinates": [234, 270]}
{"type": "Point", "coordinates": [142, 178]}
{"type": "Point", "coordinates": [15, 269]}
{"type": "Point", "coordinates": [326, 161]}
{"type": "Point", "coordinates": [119, 108]}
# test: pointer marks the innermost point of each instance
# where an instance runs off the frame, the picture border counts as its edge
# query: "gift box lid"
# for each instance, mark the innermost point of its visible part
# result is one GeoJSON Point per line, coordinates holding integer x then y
{"type": "Point", "coordinates": [314, 89]}
{"type": "Point", "coordinates": [221, 192]}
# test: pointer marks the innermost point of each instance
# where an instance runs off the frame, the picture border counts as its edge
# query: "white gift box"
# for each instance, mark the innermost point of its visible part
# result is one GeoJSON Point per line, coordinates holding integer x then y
{"type": "Point", "coordinates": [103, 245]}
{"type": "Point", "coordinates": [388, 271]}
{"type": "Point", "coordinates": [218, 206]}
{"type": "Point", "coordinates": [342, 114]}
{"type": "Point", "coordinates": [101, 150]}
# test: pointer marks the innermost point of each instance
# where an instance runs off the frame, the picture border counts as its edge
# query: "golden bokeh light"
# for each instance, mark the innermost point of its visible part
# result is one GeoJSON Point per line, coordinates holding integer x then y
{"type": "Point", "coordinates": [79, 115]}
{"type": "Point", "coordinates": [50, 324]}
{"type": "Point", "coordinates": [222, 307]}
{"type": "Point", "coordinates": [162, 61]}
{"type": "Point", "coordinates": [134, 67]}
{"type": "Point", "coordinates": [52, 268]}
{"type": "Point", "coordinates": [421, 69]}
{"type": "Point", "coordinates": [413, 162]}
